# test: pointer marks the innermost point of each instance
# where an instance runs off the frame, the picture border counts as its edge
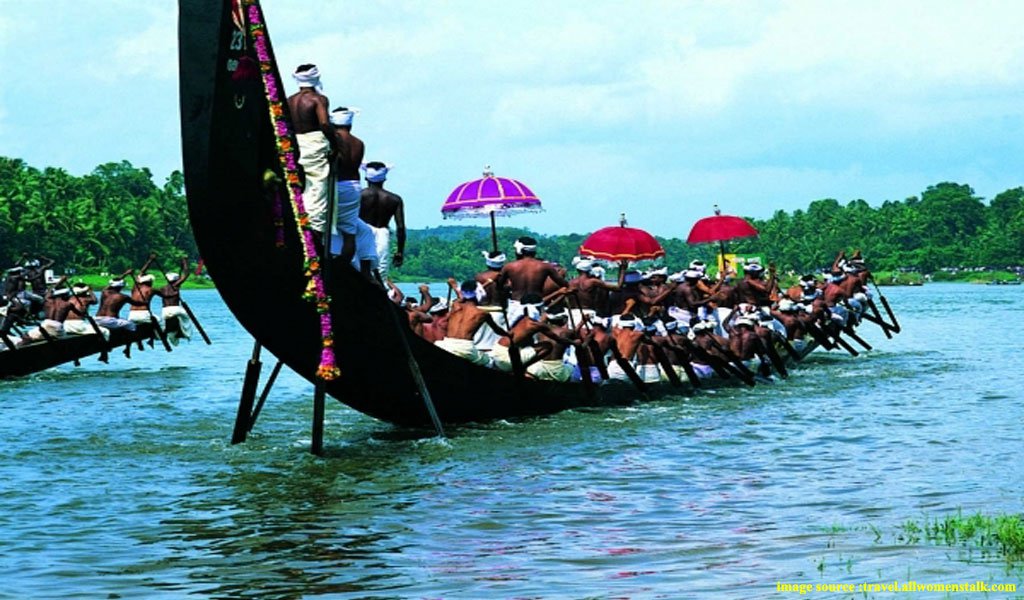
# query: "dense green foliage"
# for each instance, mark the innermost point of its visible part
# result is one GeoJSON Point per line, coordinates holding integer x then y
{"type": "Point", "coordinates": [108, 220]}
{"type": "Point", "coordinates": [948, 226]}
{"type": "Point", "coordinates": [115, 216]}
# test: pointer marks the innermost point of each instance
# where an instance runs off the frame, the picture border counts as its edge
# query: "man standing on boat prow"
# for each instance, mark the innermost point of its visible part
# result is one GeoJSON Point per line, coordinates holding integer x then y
{"type": "Point", "coordinates": [347, 159]}
{"type": "Point", "coordinates": [377, 207]}
{"type": "Point", "coordinates": [313, 132]}
{"type": "Point", "coordinates": [526, 274]}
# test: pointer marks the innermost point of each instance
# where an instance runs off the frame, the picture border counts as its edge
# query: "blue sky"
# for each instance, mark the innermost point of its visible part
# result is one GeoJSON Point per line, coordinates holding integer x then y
{"type": "Point", "coordinates": [656, 109]}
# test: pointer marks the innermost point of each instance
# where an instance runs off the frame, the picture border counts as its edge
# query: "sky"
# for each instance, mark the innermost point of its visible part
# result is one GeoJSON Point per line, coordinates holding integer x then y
{"type": "Point", "coordinates": [656, 109]}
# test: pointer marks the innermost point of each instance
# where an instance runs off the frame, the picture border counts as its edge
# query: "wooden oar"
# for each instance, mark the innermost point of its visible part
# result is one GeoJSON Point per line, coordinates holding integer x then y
{"type": "Point", "coordinates": [666, 364]}
{"type": "Point", "coordinates": [104, 344]}
{"type": "Point", "coordinates": [628, 369]}
{"type": "Point", "coordinates": [888, 309]}
{"type": "Point", "coordinates": [876, 317]}
{"type": "Point", "coordinates": [687, 366]}
{"type": "Point", "coordinates": [735, 362]}
{"type": "Point", "coordinates": [850, 333]}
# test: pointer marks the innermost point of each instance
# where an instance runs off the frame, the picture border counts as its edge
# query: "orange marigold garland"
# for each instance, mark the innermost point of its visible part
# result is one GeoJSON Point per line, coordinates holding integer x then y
{"type": "Point", "coordinates": [315, 291]}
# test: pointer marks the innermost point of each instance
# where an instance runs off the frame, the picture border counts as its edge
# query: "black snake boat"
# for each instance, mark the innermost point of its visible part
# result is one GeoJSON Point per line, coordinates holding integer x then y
{"type": "Point", "coordinates": [45, 354]}
{"type": "Point", "coordinates": [239, 163]}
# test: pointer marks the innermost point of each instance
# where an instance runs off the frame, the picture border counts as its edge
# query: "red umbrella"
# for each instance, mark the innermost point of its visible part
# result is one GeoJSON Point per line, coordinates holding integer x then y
{"type": "Point", "coordinates": [720, 228]}
{"type": "Point", "coordinates": [621, 243]}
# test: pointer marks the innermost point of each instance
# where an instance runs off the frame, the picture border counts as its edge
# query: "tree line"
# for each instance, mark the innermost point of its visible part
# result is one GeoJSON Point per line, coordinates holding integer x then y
{"type": "Point", "coordinates": [108, 220]}
{"type": "Point", "coordinates": [948, 225]}
{"type": "Point", "coordinates": [112, 218]}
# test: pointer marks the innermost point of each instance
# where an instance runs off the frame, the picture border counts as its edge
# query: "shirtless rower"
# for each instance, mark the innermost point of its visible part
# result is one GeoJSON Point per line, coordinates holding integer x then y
{"type": "Point", "coordinates": [348, 158]}
{"type": "Point", "coordinates": [308, 108]}
{"type": "Point", "coordinates": [142, 294]}
{"type": "Point", "coordinates": [171, 296]}
{"type": "Point", "coordinates": [591, 292]}
{"type": "Point", "coordinates": [527, 274]}
{"type": "Point", "coordinates": [464, 319]}
{"type": "Point", "coordinates": [630, 299]}
{"type": "Point", "coordinates": [555, 338]}
{"type": "Point", "coordinates": [56, 307]}
{"type": "Point", "coordinates": [525, 326]}
{"type": "Point", "coordinates": [487, 280]}
{"type": "Point", "coordinates": [627, 335]}
{"type": "Point", "coordinates": [753, 289]}
{"type": "Point", "coordinates": [77, 321]}
{"type": "Point", "coordinates": [377, 207]}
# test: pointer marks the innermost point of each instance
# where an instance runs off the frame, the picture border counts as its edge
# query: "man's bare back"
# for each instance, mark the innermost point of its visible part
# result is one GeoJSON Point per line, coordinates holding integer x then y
{"type": "Point", "coordinates": [379, 206]}
{"type": "Point", "coordinates": [527, 276]}
{"type": "Point", "coordinates": [348, 156]}
{"type": "Point", "coordinates": [308, 110]}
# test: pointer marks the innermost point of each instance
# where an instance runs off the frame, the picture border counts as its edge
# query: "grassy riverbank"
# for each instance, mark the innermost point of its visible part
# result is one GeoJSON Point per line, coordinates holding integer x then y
{"type": "Point", "coordinates": [99, 280]}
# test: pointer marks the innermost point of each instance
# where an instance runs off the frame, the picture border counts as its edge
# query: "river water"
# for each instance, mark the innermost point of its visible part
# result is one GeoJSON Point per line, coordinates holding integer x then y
{"type": "Point", "coordinates": [119, 481]}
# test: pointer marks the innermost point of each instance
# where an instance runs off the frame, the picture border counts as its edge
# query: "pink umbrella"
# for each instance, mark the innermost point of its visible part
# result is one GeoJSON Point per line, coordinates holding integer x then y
{"type": "Point", "coordinates": [492, 196]}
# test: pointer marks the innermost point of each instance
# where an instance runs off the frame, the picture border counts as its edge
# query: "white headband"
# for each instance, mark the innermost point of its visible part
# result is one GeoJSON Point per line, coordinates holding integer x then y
{"type": "Point", "coordinates": [585, 266]}
{"type": "Point", "coordinates": [495, 263]}
{"type": "Point", "coordinates": [146, 279]}
{"type": "Point", "coordinates": [172, 277]}
{"type": "Point", "coordinates": [376, 175]}
{"type": "Point", "coordinates": [519, 246]}
{"type": "Point", "coordinates": [116, 283]}
{"type": "Point", "coordinates": [343, 118]}
{"type": "Point", "coordinates": [662, 271]}
{"type": "Point", "coordinates": [309, 78]}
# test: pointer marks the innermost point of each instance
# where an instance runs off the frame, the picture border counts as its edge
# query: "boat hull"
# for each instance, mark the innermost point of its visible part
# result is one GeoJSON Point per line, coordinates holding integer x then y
{"type": "Point", "coordinates": [228, 147]}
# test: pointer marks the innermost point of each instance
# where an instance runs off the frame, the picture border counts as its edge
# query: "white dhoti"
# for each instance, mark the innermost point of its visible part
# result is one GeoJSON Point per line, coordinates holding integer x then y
{"type": "Point", "coordinates": [555, 370]}
{"type": "Point", "coordinates": [681, 315]}
{"type": "Point", "coordinates": [649, 373]}
{"type": "Point", "coordinates": [347, 203]}
{"type": "Point", "coordinates": [703, 371]}
{"type": "Point", "coordinates": [184, 323]}
{"type": "Point", "coordinates": [502, 360]}
{"type": "Point", "coordinates": [115, 323]}
{"type": "Point", "coordinates": [139, 316]}
{"type": "Point", "coordinates": [382, 242]}
{"type": "Point", "coordinates": [463, 349]}
{"type": "Point", "coordinates": [486, 338]}
{"type": "Point", "coordinates": [55, 329]}
{"type": "Point", "coordinates": [314, 156]}
{"type": "Point", "coordinates": [83, 327]}
{"type": "Point", "coordinates": [615, 371]}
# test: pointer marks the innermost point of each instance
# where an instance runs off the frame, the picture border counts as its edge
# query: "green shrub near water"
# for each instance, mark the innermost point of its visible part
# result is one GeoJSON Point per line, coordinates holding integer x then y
{"type": "Point", "coordinates": [1001, 534]}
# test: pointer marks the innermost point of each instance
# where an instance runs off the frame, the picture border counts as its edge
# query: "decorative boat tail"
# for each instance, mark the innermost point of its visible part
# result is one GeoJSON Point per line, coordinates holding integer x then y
{"type": "Point", "coordinates": [236, 137]}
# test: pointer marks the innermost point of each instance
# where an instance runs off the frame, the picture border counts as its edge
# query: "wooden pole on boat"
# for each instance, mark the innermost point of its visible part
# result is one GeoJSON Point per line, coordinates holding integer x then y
{"type": "Point", "coordinates": [494, 234]}
{"type": "Point", "coordinates": [252, 377]}
{"type": "Point", "coordinates": [265, 393]}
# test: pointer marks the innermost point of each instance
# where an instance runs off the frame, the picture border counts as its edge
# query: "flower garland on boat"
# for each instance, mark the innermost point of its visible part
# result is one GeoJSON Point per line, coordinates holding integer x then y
{"type": "Point", "coordinates": [315, 290]}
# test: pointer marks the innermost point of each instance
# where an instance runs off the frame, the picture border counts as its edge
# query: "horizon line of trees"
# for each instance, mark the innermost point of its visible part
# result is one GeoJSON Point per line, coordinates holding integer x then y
{"type": "Point", "coordinates": [112, 218]}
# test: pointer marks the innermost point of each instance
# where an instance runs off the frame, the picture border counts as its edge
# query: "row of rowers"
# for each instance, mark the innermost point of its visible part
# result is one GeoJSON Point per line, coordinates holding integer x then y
{"type": "Point", "coordinates": [698, 325]}
{"type": "Point", "coordinates": [32, 311]}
